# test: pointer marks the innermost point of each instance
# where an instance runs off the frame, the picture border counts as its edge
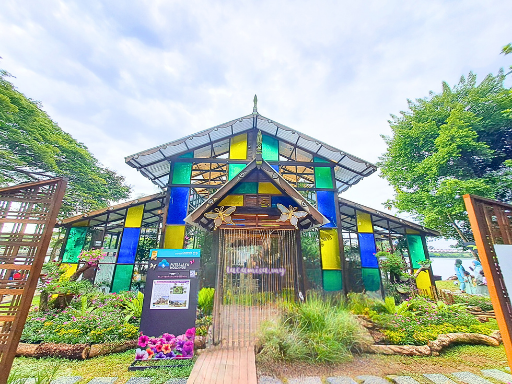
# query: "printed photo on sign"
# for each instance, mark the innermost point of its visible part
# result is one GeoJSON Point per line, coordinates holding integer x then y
{"type": "Point", "coordinates": [170, 294]}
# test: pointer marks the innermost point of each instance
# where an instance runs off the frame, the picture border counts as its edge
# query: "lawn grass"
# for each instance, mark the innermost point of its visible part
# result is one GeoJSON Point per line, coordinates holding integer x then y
{"type": "Point", "coordinates": [113, 365]}
{"type": "Point", "coordinates": [447, 284]}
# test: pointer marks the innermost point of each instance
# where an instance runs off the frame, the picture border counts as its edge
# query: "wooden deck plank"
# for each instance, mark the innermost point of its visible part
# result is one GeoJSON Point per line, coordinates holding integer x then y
{"type": "Point", "coordinates": [252, 377]}
{"type": "Point", "coordinates": [225, 365]}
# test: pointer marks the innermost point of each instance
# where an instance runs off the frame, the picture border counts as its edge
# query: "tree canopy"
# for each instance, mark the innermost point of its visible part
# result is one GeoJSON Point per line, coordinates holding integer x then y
{"type": "Point", "coordinates": [449, 144]}
{"type": "Point", "coordinates": [33, 147]}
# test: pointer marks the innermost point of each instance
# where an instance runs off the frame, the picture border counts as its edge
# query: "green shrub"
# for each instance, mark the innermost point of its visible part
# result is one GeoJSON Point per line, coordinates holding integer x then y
{"type": "Point", "coordinates": [205, 300]}
{"type": "Point", "coordinates": [311, 331]}
{"type": "Point", "coordinates": [482, 302]}
{"type": "Point", "coordinates": [202, 325]}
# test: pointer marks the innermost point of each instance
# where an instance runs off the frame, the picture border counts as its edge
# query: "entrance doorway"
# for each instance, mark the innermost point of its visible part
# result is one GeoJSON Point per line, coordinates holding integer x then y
{"type": "Point", "coordinates": [257, 270]}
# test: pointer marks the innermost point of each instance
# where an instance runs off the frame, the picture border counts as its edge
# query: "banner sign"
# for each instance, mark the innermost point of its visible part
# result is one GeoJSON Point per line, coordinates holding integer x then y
{"type": "Point", "coordinates": [170, 297]}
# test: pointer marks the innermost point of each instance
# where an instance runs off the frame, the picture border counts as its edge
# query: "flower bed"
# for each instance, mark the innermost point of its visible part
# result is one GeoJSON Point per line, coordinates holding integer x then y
{"type": "Point", "coordinates": [96, 318]}
{"type": "Point", "coordinates": [166, 347]}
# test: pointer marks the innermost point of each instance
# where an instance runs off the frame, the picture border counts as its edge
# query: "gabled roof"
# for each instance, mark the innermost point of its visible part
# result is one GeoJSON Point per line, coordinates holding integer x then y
{"type": "Point", "coordinates": [154, 163]}
{"type": "Point", "coordinates": [314, 219]}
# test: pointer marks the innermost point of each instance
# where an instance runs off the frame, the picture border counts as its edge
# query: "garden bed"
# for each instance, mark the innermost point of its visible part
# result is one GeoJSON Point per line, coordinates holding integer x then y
{"type": "Point", "coordinates": [73, 351]}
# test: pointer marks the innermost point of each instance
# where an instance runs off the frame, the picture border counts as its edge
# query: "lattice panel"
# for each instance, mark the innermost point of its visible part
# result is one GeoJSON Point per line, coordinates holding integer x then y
{"type": "Point", "coordinates": [27, 216]}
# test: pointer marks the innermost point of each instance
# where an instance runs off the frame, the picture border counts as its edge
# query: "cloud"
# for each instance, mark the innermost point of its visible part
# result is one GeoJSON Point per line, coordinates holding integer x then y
{"type": "Point", "coordinates": [126, 76]}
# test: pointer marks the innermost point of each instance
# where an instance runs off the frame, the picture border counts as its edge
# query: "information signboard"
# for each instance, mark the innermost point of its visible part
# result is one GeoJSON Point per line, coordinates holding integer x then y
{"type": "Point", "coordinates": [170, 298]}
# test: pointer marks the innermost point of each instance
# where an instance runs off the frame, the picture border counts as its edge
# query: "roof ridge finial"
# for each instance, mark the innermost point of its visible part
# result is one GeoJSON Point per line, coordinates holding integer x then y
{"type": "Point", "coordinates": [255, 108]}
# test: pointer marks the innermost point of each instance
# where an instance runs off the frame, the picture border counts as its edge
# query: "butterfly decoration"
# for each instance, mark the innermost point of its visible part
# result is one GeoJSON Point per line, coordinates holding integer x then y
{"type": "Point", "coordinates": [219, 216]}
{"type": "Point", "coordinates": [289, 214]}
{"type": "Point", "coordinates": [152, 266]}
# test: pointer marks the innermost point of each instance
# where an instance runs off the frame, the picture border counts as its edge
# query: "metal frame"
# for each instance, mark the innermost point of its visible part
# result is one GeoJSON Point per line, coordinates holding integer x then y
{"type": "Point", "coordinates": [491, 224]}
{"type": "Point", "coordinates": [28, 213]}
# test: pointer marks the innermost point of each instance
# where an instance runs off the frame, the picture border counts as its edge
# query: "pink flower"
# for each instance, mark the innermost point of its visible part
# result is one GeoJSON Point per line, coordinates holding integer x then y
{"type": "Point", "coordinates": [143, 340]}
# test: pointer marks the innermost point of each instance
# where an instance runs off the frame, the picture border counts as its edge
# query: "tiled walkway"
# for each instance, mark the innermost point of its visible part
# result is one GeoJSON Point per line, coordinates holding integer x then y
{"type": "Point", "coordinates": [218, 366]}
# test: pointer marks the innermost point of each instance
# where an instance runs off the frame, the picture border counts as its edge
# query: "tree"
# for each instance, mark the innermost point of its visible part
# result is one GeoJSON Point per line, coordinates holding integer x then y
{"type": "Point", "coordinates": [447, 145]}
{"type": "Point", "coordinates": [33, 147]}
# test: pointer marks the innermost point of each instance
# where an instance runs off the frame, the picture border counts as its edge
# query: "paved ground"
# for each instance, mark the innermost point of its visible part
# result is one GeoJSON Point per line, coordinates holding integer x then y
{"type": "Point", "coordinates": [487, 376]}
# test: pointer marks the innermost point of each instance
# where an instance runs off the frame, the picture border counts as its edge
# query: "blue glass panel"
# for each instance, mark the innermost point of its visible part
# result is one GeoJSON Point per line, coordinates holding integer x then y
{"type": "Point", "coordinates": [368, 250]}
{"type": "Point", "coordinates": [285, 200]}
{"type": "Point", "coordinates": [276, 167]}
{"type": "Point", "coordinates": [128, 247]}
{"type": "Point", "coordinates": [178, 204]}
{"type": "Point", "coordinates": [325, 200]}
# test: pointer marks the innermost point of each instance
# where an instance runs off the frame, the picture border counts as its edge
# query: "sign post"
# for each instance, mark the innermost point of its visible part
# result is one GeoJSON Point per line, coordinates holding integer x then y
{"type": "Point", "coordinates": [170, 298]}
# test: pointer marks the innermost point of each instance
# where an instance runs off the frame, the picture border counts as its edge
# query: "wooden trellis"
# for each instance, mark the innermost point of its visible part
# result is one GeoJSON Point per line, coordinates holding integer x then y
{"type": "Point", "coordinates": [491, 223]}
{"type": "Point", "coordinates": [27, 216]}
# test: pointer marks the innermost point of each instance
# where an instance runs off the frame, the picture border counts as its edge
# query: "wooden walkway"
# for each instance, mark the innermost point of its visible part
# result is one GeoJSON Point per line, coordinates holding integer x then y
{"type": "Point", "coordinates": [225, 366]}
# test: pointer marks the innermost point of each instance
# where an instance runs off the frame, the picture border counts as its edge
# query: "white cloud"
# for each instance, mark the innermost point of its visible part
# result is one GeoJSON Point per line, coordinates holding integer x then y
{"type": "Point", "coordinates": [123, 77]}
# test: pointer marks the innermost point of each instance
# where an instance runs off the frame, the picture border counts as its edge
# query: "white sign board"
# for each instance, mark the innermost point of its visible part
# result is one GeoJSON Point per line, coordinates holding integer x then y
{"type": "Point", "coordinates": [504, 255]}
{"type": "Point", "coordinates": [170, 294]}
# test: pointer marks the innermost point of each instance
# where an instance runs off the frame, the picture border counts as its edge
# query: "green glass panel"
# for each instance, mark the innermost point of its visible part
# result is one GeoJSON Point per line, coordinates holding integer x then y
{"type": "Point", "coordinates": [235, 169]}
{"type": "Point", "coordinates": [416, 250]}
{"type": "Point", "coordinates": [270, 148]}
{"type": "Point", "coordinates": [122, 278]}
{"type": "Point", "coordinates": [332, 280]}
{"type": "Point", "coordinates": [319, 160]}
{"type": "Point", "coordinates": [323, 177]}
{"type": "Point", "coordinates": [187, 155]}
{"type": "Point", "coordinates": [74, 244]}
{"type": "Point", "coordinates": [371, 279]}
{"type": "Point", "coordinates": [242, 188]}
{"type": "Point", "coordinates": [181, 173]}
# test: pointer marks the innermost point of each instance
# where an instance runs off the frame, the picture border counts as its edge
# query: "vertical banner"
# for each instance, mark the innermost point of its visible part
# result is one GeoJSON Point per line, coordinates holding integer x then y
{"type": "Point", "coordinates": [170, 298]}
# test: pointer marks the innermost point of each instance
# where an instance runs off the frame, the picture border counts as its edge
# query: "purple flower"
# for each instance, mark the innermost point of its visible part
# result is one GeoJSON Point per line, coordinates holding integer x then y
{"type": "Point", "coordinates": [160, 355]}
{"type": "Point", "coordinates": [190, 333]}
{"type": "Point", "coordinates": [188, 347]}
{"type": "Point", "coordinates": [141, 354]}
{"type": "Point", "coordinates": [167, 337]}
{"type": "Point", "coordinates": [143, 340]}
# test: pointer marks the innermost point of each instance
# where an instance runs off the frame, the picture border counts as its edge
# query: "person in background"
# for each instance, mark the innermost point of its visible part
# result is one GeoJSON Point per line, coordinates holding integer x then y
{"type": "Point", "coordinates": [481, 284]}
{"type": "Point", "coordinates": [16, 276]}
{"type": "Point", "coordinates": [468, 279]}
{"type": "Point", "coordinates": [459, 272]}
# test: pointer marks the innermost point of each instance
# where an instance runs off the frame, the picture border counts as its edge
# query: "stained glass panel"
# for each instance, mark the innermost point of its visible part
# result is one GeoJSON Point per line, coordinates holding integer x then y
{"type": "Point", "coordinates": [238, 147]}
{"type": "Point", "coordinates": [323, 177]}
{"type": "Point", "coordinates": [235, 169]}
{"type": "Point", "coordinates": [134, 216]}
{"type": "Point", "coordinates": [270, 148]}
{"type": "Point", "coordinates": [332, 281]}
{"type": "Point", "coordinates": [326, 206]}
{"type": "Point", "coordinates": [174, 236]}
{"type": "Point", "coordinates": [364, 222]}
{"type": "Point", "coordinates": [244, 188]}
{"type": "Point", "coordinates": [368, 250]}
{"type": "Point", "coordinates": [178, 205]}
{"type": "Point", "coordinates": [416, 250]}
{"type": "Point", "coordinates": [181, 173]}
{"type": "Point", "coordinates": [330, 249]}
{"type": "Point", "coordinates": [371, 279]}
{"type": "Point", "coordinates": [74, 244]}
{"type": "Point", "coordinates": [122, 278]}
{"type": "Point", "coordinates": [128, 248]}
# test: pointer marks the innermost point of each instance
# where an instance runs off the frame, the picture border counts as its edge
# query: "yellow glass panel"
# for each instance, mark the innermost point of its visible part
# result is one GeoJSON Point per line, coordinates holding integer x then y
{"type": "Point", "coordinates": [134, 216]}
{"type": "Point", "coordinates": [268, 189]}
{"type": "Point", "coordinates": [330, 249]}
{"type": "Point", "coordinates": [233, 201]}
{"type": "Point", "coordinates": [423, 280]}
{"type": "Point", "coordinates": [412, 231]}
{"type": "Point", "coordinates": [83, 223]}
{"type": "Point", "coordinates": [364, 222]}
{"type": "Point", "coordinates": [238, 147]}
{"type": "Point", "coordinates": [174, 237]}
{"type": "Point", "coordinates": [69, 269]}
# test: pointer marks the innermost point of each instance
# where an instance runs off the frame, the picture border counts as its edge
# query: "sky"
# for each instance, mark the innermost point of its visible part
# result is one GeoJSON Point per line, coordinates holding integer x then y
{"type": "Point", "coordinates": [123, 77]}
